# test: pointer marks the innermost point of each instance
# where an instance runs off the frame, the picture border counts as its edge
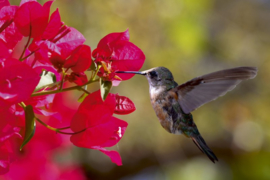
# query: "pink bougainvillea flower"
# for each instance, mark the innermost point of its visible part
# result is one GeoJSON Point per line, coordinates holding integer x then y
{"type": "Point", "coordinates": [53, 27]}
{"type": "Point", "coordinates": [69, 41]}
{"type": "Point", "coordinates": [78, 78]}
{"type": "Point", "coordinates": [114, 155]}
{"type": "Point", "coordinates": [104, 48]}
{"type": "Point", "coordinates": [93, 106]}
{"type": "Point", "coordinates": [67, 111]}
{"type": "Point", "coordinates": [17, 80]}
{"type": "Point", "coordinates": [32, 19]}
{"type": "Point", "coordinates": [39, 154]}
{"type": "Point", "coordinates": [43, 169]}
{"type": "Point", "coordinates": [64, 44]}
{"type": "Point", "coordinates": [5, 52]}
{"type": "Point", "coordinates": [116, 53]}
{"type": "Point", "coordinates": [80, 59]}
{"type": "Point", "coordinates": [8, 139]}
{"type": "Point", "coordinates": [9, 136]}
{"type": "Point", "coordinates": [99, 128]}
{"type": "Point", "coordinates": [40, 150]}
{"type": "Point", "coordinates": [49, 33]}
{"type": "Point", "coordinates": [9, 33]}
{"type": "Point", "coordinates": [4, 3]}
{"type": "Point", "coordinates": [53, 42]}
{"type": "Point", "coordinates": [41, 105]}
{"type": "Point", "coordinates": [60, 50]}
{"type": "Point", "coordinates": [120, 128]}
{"type": "Point", "coordinates": [54, 31]}
{"type": "Point", "coordinates": [39, 68]}
{"type": "Point", "coordinates": [123, 105]}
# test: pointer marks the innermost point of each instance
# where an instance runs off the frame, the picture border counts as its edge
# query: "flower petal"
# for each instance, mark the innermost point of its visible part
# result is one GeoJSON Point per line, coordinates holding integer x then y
{"type": "Point", "coordinates": [10, 34]}
{"type": "Point", "coordinates": [31, 19]}
{"type": "Point", "coordinates": [78, 78]}
{"type": "Point", "coordinates": [94, 136]}
{"type": "Point", "coordinates": [93, 111]}
{"type": "Point", "coordinates": [4, 3]}
{"type": "Point", "coordinates": [70, 42]}
{"type": "Point", "coordinates": [120, 127]}
{"type": "Point", "coordinates": [127, 57]}
{"type": "Point", "coordinates": [53, 26]}
{"type": "Point", "coordinates": [114, 155]}
{"type": "Point", "coordinates": [123, 105]}
{"type": "Point", "coordinates": [103, 45]}
{"type": "Point", "coordinates": [18, 79]}
{"type": "Point", "coordinates": [80, 59]}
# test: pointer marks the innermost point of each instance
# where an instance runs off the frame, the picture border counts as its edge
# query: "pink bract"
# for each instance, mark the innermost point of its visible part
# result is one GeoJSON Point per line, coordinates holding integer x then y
{"type": "Point", "coordinates": [54, 26]}
{"type": "Point", "coordinates": [9, 33]}
{"type": "Point", "coordinates": [4, 3]}
{"type": "Point", "coordinates": [80, 59]}
{"type": "Point", "coordinates": [14, 75]}
{"type": "Point", "coordinates": [100, 128]}
{"type": "Point", "coordinates": [119, 54]}
{"type": "Point", "coordinates": [31, 19]}
{"type": "Point", "coordinates": [123, 105]}
{"type": "Point", "coordinates": [93, 111]}
{"type": "Point", "coordinates": [78, 78]}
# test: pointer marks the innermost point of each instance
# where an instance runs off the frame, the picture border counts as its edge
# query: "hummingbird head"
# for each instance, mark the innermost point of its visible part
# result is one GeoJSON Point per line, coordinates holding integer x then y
{"type": "Point", "coordinates": [158, 76]}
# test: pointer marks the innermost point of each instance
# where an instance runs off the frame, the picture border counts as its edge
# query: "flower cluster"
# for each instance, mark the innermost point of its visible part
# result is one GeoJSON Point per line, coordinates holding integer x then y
{"type": "Point", "coordinates": [55, 56]}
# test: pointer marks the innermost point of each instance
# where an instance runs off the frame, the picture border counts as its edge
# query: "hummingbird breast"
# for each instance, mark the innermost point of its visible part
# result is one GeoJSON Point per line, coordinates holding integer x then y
{"type": "Point", "coordinates": [167, 109]}
{"type": "Point", "coordinates": [170, 114]}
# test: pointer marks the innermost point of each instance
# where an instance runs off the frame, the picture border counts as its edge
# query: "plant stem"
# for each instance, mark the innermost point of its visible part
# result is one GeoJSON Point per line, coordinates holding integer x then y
{"type": "Point", "coordinates": [84, 90]}
{"type": "Point", "coordinates": [63, 79]}
{"type": "Point", "coordinates": [22, 105]}
{"type": "Point", "coordinates": [70, 88]}
{"type": "Point", "coordinates": [46, 125]}
{"type": "Point", "coordinates": [63, 90]}
{"type": "Point", "coordinates": [30, 54]}
{"type": "Point", "coordinates": [56, 129]}
{"type": "Point", "coordinates": [64, 128]}
{"type": "Point", "coordinates": [98, 67]}
{"type": "Point", "coordinates": [49, 85]}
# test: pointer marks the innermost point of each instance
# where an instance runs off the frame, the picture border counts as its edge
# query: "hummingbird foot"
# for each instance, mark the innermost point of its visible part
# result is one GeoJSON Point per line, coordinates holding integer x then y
{"type": "Point", "coordinates": [200, 143]}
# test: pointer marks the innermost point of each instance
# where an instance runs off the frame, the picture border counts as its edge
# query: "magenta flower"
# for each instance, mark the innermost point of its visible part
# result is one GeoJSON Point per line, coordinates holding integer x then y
{"type": "Point", "coordinates": [32, 19]}
{"type": "Point", "coordinates": [9, 33]}
{"type": "Point", "coordinates": [27, 94]}
{"type": "Point", "coordinates": [80, 59]}
{"type": "Point", "coordinates": [100, 128]}
{"type": "Point", "coordinates": [116, 53]}
{"type": "Point", "coordinates": [14, 75]}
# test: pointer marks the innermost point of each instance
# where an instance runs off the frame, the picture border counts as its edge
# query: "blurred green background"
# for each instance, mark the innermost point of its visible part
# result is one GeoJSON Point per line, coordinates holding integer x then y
{"type": "Point", "coordinates": [191, 38]}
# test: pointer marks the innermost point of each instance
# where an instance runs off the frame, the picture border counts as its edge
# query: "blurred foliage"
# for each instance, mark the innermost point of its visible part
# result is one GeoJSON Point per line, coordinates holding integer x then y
{"type": "Point", "coordinates": [190, 38]}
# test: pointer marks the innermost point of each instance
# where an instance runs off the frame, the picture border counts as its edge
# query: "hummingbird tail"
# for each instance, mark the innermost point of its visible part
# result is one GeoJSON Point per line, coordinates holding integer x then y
{"type": "Point", "coordinates": [200, 143]}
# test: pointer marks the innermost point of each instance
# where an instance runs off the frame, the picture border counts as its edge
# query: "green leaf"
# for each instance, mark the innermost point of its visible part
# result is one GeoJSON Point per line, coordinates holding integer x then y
{"type": "Point", "coordinates": [105, 87]}
{"type": "Point", "coordinates": [30, 125]}
{"type": "Point", "coordinates": [46, 79]}
{"type": "Point", "coordinates": [93, 66]}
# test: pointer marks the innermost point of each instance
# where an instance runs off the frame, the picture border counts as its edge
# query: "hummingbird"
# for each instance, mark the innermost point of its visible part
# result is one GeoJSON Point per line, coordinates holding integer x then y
{"type": "Point", "coordinates": [174, 103]}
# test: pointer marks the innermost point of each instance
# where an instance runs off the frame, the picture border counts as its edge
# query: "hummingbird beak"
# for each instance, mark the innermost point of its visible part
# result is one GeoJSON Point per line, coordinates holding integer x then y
{"type": "Point", "coordinates": [132, 72]}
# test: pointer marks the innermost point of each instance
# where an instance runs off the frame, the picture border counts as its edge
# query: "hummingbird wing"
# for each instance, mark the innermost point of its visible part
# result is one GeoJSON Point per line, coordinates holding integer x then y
{"type": "Point", "coordinates": [206, 88]}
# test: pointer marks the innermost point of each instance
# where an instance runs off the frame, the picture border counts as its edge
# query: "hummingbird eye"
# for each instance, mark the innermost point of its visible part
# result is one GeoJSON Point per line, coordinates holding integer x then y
{"type": "Point", "coordinates": [153, 74]}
